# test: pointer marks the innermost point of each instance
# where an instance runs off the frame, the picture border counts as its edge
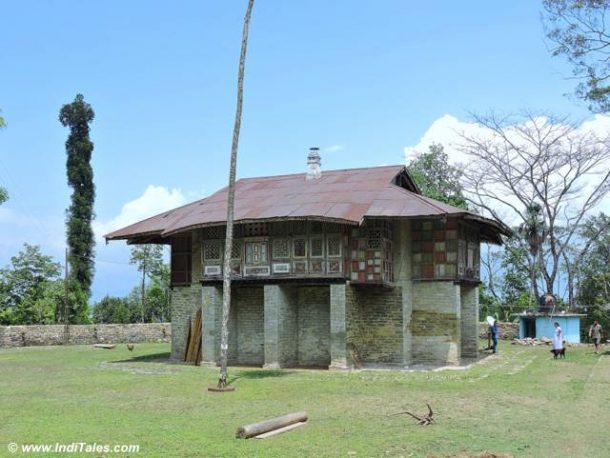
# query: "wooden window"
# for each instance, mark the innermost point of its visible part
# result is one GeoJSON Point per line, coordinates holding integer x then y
{"type": "Point", "coordinates": [470, 257]}
{"type": "Point", "coordinates": [236, 249]}
{"type": "Point", "coordinates": [212, 250]}
{"type": "Point", "coordinates": [333, 246]}
{"type": "Point", "coordinates": [281, 248]}
{"type": "Point", "coordinates": [316, 247]}
{"type": "Point", "coordinates": [299, 247]}
{"type": "Point", "coordinates": [375, 239]}
{"type": "Point", "coordinates": [256, 253]}
{"type": "Point", "coordinates": [181, 260]}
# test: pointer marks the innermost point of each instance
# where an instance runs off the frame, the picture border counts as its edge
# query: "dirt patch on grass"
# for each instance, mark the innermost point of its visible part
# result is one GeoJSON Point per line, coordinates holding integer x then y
{"type": "Point", "coordinates": [136, 368]}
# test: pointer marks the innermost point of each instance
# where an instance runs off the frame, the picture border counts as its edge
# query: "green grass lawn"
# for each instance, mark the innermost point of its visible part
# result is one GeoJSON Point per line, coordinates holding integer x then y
{"type": "Point", "coordinates": [520, 403]}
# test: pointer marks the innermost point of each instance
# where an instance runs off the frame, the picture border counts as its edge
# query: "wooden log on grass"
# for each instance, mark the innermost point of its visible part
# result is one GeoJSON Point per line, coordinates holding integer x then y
{"type": "Point", "coordinates": [254, 429]}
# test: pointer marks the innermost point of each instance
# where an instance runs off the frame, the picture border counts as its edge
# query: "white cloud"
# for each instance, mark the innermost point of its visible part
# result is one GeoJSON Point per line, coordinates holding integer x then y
{"type": "Point", "coordinates": [449, 132]}
{"type": "Point", "coordinates": [154, 200]}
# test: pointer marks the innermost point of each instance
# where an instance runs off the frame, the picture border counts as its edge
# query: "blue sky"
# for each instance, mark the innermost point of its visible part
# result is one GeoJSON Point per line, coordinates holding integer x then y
{"type": "Point", "coordinates": [361, 80]}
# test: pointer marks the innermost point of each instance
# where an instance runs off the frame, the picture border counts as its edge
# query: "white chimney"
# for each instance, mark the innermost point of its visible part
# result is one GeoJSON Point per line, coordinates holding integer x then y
{"type": "Point", "coordinates": [313, 164]}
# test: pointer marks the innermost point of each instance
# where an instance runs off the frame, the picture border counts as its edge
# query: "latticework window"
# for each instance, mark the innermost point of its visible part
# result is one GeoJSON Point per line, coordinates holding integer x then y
{"type": "Point", "coordinates": [281, 248]}
{"type": "Point", "coordinates": [317, 247]}
{"type": "Point", "coordinates": [299, 248]}
{"type": "Point", "coordinates": [375, 239]}
{"type": "Point", "coordinates": [333, 246]}
{"type": "Point", "coordinates": [255, 229]}
{"type": "Point", "coordinates": [214, 232]}
{"type": "Point", "coordinates": [212, 251]}
{"type": "Point", "coordinates": [236, 249]}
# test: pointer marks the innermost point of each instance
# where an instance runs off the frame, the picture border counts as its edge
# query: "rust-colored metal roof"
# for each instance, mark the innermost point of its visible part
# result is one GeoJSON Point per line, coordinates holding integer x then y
{"type": "Point", "coordinates": [343, 196]}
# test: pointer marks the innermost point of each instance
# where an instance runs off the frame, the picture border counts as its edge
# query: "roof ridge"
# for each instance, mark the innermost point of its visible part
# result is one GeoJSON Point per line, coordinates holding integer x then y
{"type": "Point", "coordinates": [323, 172]}
{"type": "Point", "coordinates": [428, 200]}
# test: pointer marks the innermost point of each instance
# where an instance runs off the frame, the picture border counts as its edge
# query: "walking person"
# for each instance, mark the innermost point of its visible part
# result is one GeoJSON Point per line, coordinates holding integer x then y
{"type": "Point", "coordinates": [595, 333]}
{"type": "Point", "coordinates": [494, 332]}
{"type": "Point", "coordinates": [557, 340]}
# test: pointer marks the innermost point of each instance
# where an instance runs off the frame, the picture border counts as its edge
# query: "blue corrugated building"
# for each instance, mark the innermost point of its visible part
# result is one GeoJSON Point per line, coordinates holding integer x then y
{"type": "Point", "coordinates": [542, 325]}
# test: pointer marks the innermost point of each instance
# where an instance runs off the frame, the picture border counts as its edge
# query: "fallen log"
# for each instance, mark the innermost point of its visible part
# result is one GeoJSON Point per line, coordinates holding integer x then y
{"type": "Point", "coordinates": [275, 432]}
{"type": "Point", "coordinates": [254, 429]}
{"type": "Point", "coordinates": [104, 346]}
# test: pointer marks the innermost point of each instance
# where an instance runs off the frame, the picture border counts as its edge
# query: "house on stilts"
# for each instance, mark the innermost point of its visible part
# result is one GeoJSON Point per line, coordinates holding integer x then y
{"type": "Point", "coordinates": [334, 269]}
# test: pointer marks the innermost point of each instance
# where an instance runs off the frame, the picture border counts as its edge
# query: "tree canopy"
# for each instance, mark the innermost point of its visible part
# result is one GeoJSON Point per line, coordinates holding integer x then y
{"type": "Point", "coordinates": [149, 260]}
{"type": "Point", "coordinates": [578, 30]}
{"type": "Point", "coordinates": [438, 179]}
{"type": "Point", "coordinates": [546, 175]}
{"type": "Point", "coordinates": [79, 148]}
{"type": "Point", "coordinates": [30, 288]}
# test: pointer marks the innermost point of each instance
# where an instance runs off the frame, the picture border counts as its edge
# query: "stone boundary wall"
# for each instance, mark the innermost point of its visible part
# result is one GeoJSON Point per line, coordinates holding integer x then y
{"type": "Point", "coordinates": [34, 335]}
{"type": "Point", "coordinates": [508, 331]}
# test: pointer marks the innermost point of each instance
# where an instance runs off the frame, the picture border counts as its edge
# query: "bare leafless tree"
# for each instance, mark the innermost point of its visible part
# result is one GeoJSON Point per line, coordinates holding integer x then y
{"type": "Point", "coordinates": [226, 283]}
{"type": "Point", "coordinates": [532, 161]}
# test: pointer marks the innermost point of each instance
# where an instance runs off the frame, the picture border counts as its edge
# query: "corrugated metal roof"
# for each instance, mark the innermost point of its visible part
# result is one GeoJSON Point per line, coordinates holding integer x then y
{"type": "Point", "coordinates": [345, 196]}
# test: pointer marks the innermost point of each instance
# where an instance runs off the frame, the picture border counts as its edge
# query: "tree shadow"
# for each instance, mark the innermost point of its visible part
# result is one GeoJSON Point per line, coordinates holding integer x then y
{"type": "Point", "coordinates": [259, 374]}
{"type": "Point", "coordinates": [162, 357]}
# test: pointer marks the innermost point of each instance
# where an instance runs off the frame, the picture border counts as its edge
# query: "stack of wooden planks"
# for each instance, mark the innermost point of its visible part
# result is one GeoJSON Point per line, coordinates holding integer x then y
{"type": "Point", "coordinates": [193, 341]}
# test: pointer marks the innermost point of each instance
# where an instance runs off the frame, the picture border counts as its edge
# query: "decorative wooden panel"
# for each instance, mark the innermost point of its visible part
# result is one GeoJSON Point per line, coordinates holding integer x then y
{"type": "Point", "coordinates": [435, 248]}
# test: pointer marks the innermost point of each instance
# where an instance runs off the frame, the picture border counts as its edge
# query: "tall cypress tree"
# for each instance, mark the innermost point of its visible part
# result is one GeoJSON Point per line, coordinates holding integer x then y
{"type": "Point", "coordinates": [77, 116]}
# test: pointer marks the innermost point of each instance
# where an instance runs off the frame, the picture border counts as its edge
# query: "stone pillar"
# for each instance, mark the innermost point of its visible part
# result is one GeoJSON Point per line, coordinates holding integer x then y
{"type": "Point", "coordinates": [469, 299]}
{"type": "Point", "coordinates": [338, 344]}
{"type": "Point", "coordinates": [402, 269]}
{"type": "Point", "coordinates": [185, 300]}
{"type": "Point", "coordinates": [435, 323]}
{"type": "Point", "coordinates": [211, 297]}
{"type": "Point", "coordinates": [280, 326]}
{"type": "Point", "coordinates": [272, 298]}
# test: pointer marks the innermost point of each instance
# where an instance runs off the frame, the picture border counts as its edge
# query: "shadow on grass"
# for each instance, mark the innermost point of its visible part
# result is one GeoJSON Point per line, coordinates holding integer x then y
{"type": "Point", "coordinates": [162, 357]}
{"type": "Point", "coordinates": [258, 374]}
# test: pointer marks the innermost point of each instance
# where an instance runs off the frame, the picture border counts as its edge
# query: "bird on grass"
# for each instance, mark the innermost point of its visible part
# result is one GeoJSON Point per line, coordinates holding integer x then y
{"type": "Point", "coordinates": [130, 347]}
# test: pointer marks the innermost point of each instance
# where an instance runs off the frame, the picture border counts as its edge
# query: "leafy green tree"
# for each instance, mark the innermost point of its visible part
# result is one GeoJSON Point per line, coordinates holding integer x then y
{"type": "Point", "coordinates": [533, 232]}
{"type": "Point", "coordinates": [578, 29]}
{"type": "Point", "coordinates": [488, 305]}
{"type": "Point", "coordinates": [79, 148]}
{"type": "Point", "coordinates": [438, 179]}
{"type": "Point", "coordinates": [28, 288]}
{"type": "Point", "coordinates": [159, 294]}
{"type": "Point", "coordinates": [149, 260]}
{"type": "Point", "coordinates": [111, 310]}
{"type": "Point", "coordinates": [594, 275]}
{"type": "Point", "coordinates": [516, 278]}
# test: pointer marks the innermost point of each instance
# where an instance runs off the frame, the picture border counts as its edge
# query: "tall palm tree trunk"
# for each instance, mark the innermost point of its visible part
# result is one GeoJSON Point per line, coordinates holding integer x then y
{"type": "Point", "coordinates": [226, 272]}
